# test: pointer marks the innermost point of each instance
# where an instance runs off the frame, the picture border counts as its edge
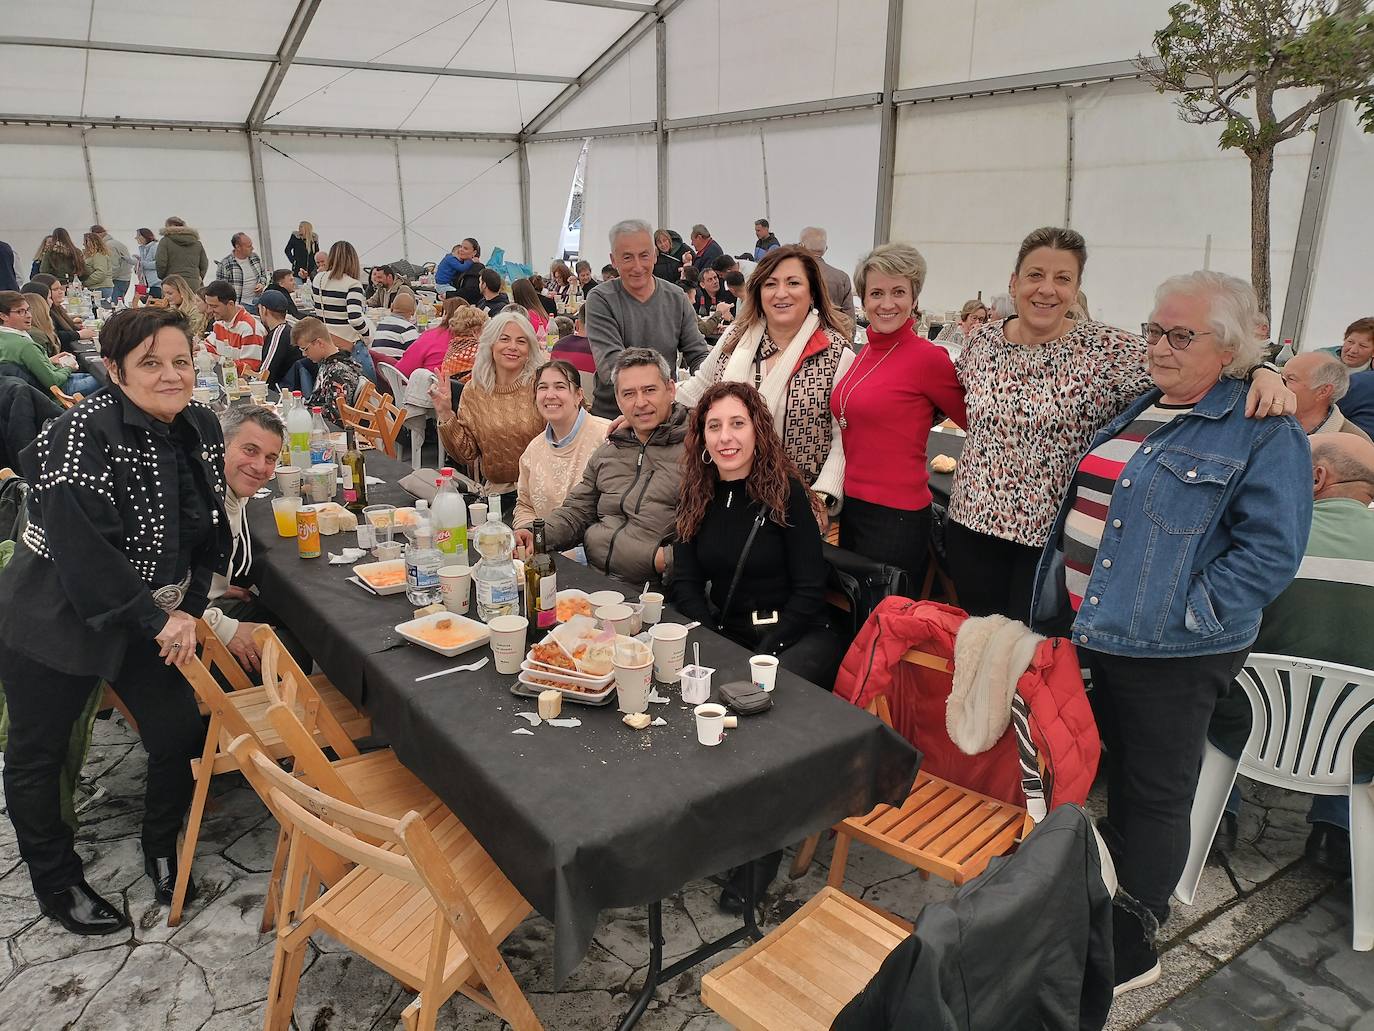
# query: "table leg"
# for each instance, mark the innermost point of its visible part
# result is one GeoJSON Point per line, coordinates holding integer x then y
{"type": "Point", "coordinates": [657, 973]}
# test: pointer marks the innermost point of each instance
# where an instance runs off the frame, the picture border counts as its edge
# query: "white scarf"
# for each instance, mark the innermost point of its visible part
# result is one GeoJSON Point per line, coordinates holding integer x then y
{"type": "Point", "coordinates": [739, 366]}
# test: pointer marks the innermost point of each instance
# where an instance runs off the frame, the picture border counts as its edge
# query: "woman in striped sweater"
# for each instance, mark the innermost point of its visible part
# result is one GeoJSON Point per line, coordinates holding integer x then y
{"type": "Point", "coordinates": [340, 303]}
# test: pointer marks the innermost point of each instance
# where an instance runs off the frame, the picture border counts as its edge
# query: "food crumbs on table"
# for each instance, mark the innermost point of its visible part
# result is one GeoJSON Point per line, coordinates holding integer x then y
{"type": "Point", "coordinates": [523, 730]}
{"type": "Point", "coordinates": [572, 721]}
{"type": "Point", "coordinates": [636, 720]}
{"type": "Point", "coordinates": [534, 718]}
{"type": "Point", "coordinates": [655, 697]}
{"type": "Point", "coordinates": [659, 721]}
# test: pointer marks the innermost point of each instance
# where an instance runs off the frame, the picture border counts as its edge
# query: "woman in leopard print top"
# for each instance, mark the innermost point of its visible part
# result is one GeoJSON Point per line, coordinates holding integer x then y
{"type": "Point", "coordinates": [1038, 388]}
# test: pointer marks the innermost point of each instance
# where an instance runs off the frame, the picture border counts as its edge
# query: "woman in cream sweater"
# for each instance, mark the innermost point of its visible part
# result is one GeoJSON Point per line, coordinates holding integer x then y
{"type": "Point", "coordinates": [555, 459]}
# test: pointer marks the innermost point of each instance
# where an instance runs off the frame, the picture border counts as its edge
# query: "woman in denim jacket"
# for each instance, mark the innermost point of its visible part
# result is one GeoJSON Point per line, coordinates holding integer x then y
{"type": "Point", "coordinates": [1183, 520]}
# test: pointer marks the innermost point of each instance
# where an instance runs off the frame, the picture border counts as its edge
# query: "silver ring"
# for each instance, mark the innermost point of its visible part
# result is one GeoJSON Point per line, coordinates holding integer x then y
{"type": "Point", "coordinates": [176, 645]}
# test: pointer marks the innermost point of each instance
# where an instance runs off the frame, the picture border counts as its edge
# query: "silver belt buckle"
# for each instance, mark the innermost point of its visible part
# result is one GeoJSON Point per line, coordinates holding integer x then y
{"type": "Point", "coordinates": [762, 619]}
{"type": "Point", "coordinates": [169, 596]}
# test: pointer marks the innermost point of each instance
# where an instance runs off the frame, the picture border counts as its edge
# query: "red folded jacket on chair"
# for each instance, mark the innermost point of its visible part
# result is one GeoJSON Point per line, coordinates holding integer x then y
{"type": "Point", "coordinates": [1061, 720]}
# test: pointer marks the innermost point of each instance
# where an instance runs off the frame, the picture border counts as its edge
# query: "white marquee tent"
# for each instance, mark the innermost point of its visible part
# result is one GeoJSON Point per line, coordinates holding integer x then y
{"type": "Point", "coordinates": [403, 127]}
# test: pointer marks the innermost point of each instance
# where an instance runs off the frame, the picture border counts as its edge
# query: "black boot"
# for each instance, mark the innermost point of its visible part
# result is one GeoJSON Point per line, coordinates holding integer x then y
{"type": "Point", "coordinates": [1329, 847]}
{"type": "Point", "coordinates": [80, 910]}
{"type": "Point", "coordinates": [732, 895]}
{"type": "Point", "coordinates": [1133, 944]}
{"type": "Point", "coordinates": [162, 870]}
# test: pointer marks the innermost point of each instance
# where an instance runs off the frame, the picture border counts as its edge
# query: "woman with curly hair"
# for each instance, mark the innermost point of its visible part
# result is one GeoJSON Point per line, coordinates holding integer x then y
{"type": "Point", "coordinates": [177, 293]}
{"type": "Point", "coordinates": [735, 475]}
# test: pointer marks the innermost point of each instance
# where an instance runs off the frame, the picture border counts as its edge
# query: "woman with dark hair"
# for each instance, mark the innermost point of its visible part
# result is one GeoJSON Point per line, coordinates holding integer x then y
{"type": "Point", "coordinates": [147, 262]}
{"type": "Point", "coordinates": [63, 258]}
{"type": "Point", "coordinates": [555, 460]}
{"type": "Point", "coordinates": [38, 256]}
{"type": "Point", "coordinates": [523, 293]}
{"type": "Point", "coordinates": [1038, 387]}
{"type": "Point", "coordinates": [560, 281]}
{"type": "Point", "coordinates": [126, 529]}
{"type": "Point", "coordinates": [788, 343]}
{"type": "Point", "coordinates": [747, 527]}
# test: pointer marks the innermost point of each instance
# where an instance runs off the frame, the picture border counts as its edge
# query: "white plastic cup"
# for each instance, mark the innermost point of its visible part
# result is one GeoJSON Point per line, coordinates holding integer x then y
{"type": "Point", "coordinates": [258, 388]}
{"type": "Point", "coordinates": [653, 606]}
{"type": "Point", "coordinates": [508, 642]}
{"type": "Point", "coordinates": [367, 536]}
{"type": "Point", "coordinates": [670, 651]}
{"type": "Point", "coordinates": [615, 617]}
{"type": "Point", "coordinates": [289, 481]}
{"type": "Point", "coordinates": [383, 521]}
{"type": "Point", "coordinates": [696, 684]}
{"type": "Point", "coordinates": [710, 723]}
{"type": "Point", "coordinates": [763, 670]}
{"type": "Point", "coordinates": [201, 394]}
{"type": "Point", "coordinates": [455, 584]}
{"type": "Point", "coordinates": [477, 511]}
{"type": "Point", "coordinates": [387, 551]}
{"type": "Point", "coordinates": [632, 681]}
{"type": "Point", "coordinates": [636, 623]}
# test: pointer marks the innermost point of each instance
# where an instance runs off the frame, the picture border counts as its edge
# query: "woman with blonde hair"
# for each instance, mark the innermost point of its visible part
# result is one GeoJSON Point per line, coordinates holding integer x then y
{"type": "Point", "coordinates": [341, 303]}
{"type": "Point", "coordinates": [433, 347]}
{"type": "Point", "coordinates": [177, 294]}
{"type": "Point", "coordinates": [300, 251]}
{"type": "Point", "coordinates": [787, 342]}
{"type": "Point", "coordinates": [42, 329]}
{"type": "Point", "coordinates": [99, 274]}
{"type": "Point", "coordinates": [496, 417]}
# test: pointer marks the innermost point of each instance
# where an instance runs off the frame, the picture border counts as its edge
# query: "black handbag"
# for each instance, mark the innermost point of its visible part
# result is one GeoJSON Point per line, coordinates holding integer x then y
{"type": "Point", "coordinates": [863, 583]}
{"type": "Point", "coordinates": [743, 697]}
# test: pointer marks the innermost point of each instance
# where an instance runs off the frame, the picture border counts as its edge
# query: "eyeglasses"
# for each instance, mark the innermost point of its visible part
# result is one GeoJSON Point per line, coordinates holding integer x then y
{"type": "Point", "coordinates": [978, 318]}
{"type": "Point", "coordinates": [1180, 337]}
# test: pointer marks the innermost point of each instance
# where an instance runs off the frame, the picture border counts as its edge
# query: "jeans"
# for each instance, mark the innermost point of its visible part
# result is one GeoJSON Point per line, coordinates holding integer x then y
{"type": "Point", "coordinates": [1152, 714]}
{"type": "Point", "coordinates": [363, 357]}
{"type": "Point", "coordinates": [990, 574]}
{"type": "Point", "coordinates": [43, 705]}
{"type": "Point", "coordinates": [300, 376]}
{"type": "Point", "coordinates": [81, 383]}
{"type": "Point", "coordinates": [107, 292]}
{"type": "Point", "coordinates": [120, 290]}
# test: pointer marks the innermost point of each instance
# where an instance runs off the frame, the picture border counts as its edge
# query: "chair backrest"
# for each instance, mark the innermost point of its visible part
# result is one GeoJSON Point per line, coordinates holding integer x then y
{"type": "Point", "coordinates": [298, 713]}
{"type": "Point", "coordinates": [1307, 717]}
{"type": "Point", "coordinates": [225, 719]}
{"type": "Point", "coordinates": [375, 417]}
{"type": "Point", "coordinates": [65, 400]}
{"type": "Point", "coordinates": [218, 659]}
{"type": "Point", "coordinates": [395, 379]}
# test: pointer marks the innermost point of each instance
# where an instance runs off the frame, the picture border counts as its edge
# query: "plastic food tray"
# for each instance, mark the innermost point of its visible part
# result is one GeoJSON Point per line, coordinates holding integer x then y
{"type": "Point", "coordinates": [572, 694]}
{"type": "Point", "coordinates": [362, 569]}
{"type": "Point", "coordinates": [408, 628]}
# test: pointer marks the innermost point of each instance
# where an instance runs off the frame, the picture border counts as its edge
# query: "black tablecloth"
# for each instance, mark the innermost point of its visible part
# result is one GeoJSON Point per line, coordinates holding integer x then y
{"type": "Point", "coordinates": [943, 443]}
{"type": "Point", "coordinates": [596, 816]}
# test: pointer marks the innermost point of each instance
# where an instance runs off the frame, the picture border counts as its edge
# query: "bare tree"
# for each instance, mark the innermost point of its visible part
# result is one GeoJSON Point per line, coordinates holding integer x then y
{"type": "Point", "coordinates": [1228, 61]}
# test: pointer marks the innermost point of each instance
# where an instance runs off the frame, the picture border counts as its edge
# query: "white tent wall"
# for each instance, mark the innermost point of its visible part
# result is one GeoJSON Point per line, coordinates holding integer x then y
{"type": "Point", "coordinates": [43, 186]}
{"type": "Point", "coordinates": [623, 95]}
{"type": "Point", "coordinates": [1342, 289]}
{"type": "Point", "coordinates": [143, 176]}
{"type": "Point", "coordinates": [716, 178]}
{"type": "Point", "coordinates": [552, 166]}
{"type": "Point", "coordinates": [1155, 197]}
{"type": "Point", "coordinates": [970, 178]}
{"type": "Point", "coordinates": [346, 188]}
{"type": "Point", "coordinates": [724, 55]}
{"type": "Point", "coordinates": [621, 182]}
{"type": "Point", "coordinates": [459, 189]}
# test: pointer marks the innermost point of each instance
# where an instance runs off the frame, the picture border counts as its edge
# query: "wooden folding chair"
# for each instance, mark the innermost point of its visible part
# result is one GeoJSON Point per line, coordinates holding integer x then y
{"type": "Point", "coordinates": [807, 969]}
{"type": "Point", "coordinates": [243, 710]}
{"type": "Point", "coordinates": [374, 417]}
{"type": "Point", "coordinates": [65, 400]}
{"type": "Point", "coordinates": [941, 828]}
{"type": "Point", "coordinates": [425, 903]}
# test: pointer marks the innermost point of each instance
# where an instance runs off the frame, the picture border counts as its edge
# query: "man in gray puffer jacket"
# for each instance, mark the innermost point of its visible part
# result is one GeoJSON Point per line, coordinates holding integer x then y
{"type": "Point", "coordinates": [625, 508]}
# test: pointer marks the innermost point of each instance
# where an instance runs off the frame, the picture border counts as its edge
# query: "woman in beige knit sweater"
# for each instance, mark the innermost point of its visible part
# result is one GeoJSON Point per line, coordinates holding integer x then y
{"type": "Point", "coordinates": [496, 417]}
{"type": "Point", "coordinates": [555, 460]}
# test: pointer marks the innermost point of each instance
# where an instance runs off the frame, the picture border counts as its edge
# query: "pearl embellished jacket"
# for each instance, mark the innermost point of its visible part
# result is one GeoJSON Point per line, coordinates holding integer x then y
{"type": "Point", "coordinates": [103, 532]}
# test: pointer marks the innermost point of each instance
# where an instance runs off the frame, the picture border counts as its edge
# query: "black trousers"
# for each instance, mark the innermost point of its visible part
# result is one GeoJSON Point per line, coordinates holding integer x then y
{"type": "Point", "coordinates": [1153, 715]}
{"type": "Point", "coordinates": [990, 574]}
{"type": "Point", "coordinates": [43, 705]}
{"type": "Point", "coordinates": [897, 536]}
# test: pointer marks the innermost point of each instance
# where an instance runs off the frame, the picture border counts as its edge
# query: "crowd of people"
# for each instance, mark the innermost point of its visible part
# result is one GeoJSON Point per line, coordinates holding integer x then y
{"type": "Point", "coordinates": [1159, 498]}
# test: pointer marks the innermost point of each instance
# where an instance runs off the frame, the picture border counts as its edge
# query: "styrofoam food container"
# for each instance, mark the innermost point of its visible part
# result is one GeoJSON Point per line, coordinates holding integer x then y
{"type": "Point", "coordinates": [408, 628]}
{"type": "Point", "coordinates": [363, 568]}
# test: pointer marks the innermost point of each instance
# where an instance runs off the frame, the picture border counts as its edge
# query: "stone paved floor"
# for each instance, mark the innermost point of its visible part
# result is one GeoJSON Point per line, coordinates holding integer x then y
{"type": "Point", "coordinates": [210, 974]}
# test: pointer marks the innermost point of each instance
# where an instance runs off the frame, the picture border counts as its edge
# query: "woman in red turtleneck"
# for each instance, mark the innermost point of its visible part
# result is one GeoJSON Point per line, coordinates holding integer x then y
{"type": "Point", "coordinates": [885, 405]}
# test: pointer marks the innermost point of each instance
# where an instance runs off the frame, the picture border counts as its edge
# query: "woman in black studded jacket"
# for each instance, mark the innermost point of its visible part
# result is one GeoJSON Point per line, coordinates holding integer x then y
{"type": "Point", "coordinates": [126, 528]}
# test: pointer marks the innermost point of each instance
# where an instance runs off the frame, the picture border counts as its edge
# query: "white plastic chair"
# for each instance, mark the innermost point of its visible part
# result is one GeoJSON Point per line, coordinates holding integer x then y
{"type": "Point", "coordinates": [1307, 717]}
{"type": "Point", "coordinates": [397, 382]}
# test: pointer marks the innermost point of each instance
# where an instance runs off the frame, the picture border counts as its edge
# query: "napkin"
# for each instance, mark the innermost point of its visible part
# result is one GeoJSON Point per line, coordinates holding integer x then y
{"type": "Point", "coordinates": [346, 557]}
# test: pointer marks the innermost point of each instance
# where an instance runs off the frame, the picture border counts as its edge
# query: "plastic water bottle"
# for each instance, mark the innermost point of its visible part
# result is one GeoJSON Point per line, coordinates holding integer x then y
{"type": "Point", "coordinates": [450, 518]}
{"type": "Point", "coordinates": [422, 565]}
{"type": "Point", "coordinates": [231, 377]}
{"type": "Point", "coordinates": [205, 373]}
{"type": "Point", "coordinates": [298, 433]}
{"type": "Point", "coordinates": [321, 444]}
{"type": "Point", "coordinates": [498, 592]}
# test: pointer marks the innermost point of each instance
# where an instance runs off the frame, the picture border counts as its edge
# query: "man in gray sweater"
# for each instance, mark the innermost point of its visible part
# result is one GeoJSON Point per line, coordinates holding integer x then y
{"type": "Point", "coordinates": [637, 311]}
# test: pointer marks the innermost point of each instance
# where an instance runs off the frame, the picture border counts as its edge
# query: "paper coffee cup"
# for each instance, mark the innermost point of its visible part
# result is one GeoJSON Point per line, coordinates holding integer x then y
{"type": "Point", "coordinates": [508, 642]}
{"type": "Point", "coordinates": [653, 606]}
{"type": "Point", "coordinates": [710, 723]}
{"type": "Point", "coordinates": [258, 388]}
{"type": "Point", "coordinates": [605, 598]}
{"type": "Point", "coordinates": [670, 650]}
{"type": "Point", "coordinates": [763, 670]}
{"type": "Point", "coordinates": [478, 512]}
{"type": "Point", "coordinates": [614, 617]}
{"type": "Point", "coordinates": [289, 481]}
{"type": "Point", "coordinates": [455, 584]}
{"type": "Point", "coordinates": [632, 682]}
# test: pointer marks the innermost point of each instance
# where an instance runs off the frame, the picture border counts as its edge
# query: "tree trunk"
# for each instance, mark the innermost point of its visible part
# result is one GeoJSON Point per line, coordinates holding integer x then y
{"type": "Point", "coordinates": [1261, 173]}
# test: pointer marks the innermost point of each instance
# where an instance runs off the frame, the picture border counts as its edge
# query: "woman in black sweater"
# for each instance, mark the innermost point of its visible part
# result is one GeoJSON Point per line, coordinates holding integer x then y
{"type": "Point", "coordinates": [736, 475]}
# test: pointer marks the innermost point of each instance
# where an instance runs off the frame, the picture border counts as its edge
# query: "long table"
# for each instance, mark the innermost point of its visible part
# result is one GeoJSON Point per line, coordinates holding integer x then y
{"type": "Point", "coordinates": [596, 816]}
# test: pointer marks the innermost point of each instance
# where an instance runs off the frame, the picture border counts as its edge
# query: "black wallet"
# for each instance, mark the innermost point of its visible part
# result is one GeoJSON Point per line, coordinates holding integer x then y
{"type": "Point", "coordinates": [744, 698]}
